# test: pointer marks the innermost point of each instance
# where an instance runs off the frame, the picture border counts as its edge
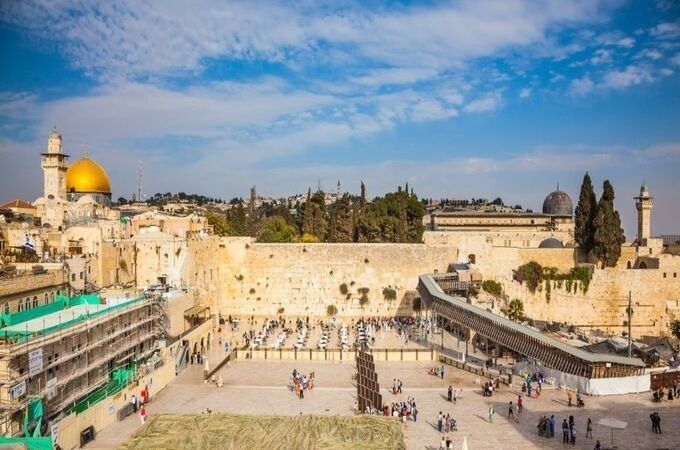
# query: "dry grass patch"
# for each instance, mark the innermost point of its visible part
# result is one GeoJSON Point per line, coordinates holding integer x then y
{"type": "Point", "coordinates": [228, 431]}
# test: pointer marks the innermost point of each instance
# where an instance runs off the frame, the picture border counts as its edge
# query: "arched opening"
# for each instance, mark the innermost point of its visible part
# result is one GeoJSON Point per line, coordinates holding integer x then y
{"type": "Point", "coordinates": [628, 265]}
{"type": "Point", "coordinates": [209, 337]}
{"type": "Point", "coordinates": [195, 347]}
{"type": "Point", "coordinates": [643, 265]}
{"type": "Point", "coordinates": [202, 344]}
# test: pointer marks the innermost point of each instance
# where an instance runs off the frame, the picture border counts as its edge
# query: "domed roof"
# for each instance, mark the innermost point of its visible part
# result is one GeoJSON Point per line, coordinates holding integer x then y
{"type": "Point", "coordinates": [558, 203]}
{"type": "Point", "coordinates": [551, 243]}
{"type": "Point", "coordinates": [87, 176]}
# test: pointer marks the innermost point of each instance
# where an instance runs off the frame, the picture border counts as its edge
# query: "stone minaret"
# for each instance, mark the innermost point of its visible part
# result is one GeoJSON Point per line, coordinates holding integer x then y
{"type": "Point", "coordinates": [643, 203]}
{"type": "Point", "coordinates": [54, 165]}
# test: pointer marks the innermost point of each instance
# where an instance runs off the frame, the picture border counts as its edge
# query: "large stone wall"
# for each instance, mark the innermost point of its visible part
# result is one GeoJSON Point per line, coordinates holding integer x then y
{"type": "Point", "coordinates": [304, 279]}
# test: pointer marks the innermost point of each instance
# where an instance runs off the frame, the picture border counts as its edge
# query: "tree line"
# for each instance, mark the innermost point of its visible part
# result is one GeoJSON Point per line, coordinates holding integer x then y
{"type": "Point", "coordinates": [597, 226]}
{"type": "Point", "coordinates": [396, 217]}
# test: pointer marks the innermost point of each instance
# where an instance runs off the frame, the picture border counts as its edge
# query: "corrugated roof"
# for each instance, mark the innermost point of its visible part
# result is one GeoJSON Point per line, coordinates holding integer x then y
{"type": "Point", "coordinates": [433, 288]}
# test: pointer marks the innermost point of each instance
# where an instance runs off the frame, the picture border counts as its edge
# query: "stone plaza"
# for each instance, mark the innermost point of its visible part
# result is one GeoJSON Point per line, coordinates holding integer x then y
{"type": "Point", "coordinates": [260, 388]}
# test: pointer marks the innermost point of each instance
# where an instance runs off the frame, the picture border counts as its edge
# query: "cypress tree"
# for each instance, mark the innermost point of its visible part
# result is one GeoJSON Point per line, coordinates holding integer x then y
{"type": "Point", "coordinates": [608, 236]}
{"type": "Point", "coordinates": [585, 215]}
{"type": "Point", "coordinates": [341, 226]}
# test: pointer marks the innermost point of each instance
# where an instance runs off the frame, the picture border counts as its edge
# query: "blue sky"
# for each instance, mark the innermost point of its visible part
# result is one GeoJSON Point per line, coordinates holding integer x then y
{"type": "Point", "coordinates": [461, 99]}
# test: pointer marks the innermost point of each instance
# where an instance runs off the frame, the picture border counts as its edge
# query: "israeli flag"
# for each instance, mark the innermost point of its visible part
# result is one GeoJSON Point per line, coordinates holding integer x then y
{"type": "Point", "coordinates": [28, 243]}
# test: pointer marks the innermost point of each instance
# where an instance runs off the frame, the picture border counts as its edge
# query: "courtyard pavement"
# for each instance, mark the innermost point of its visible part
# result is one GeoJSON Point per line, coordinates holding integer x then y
{"type": "Point", "coordinates": [259, 387]}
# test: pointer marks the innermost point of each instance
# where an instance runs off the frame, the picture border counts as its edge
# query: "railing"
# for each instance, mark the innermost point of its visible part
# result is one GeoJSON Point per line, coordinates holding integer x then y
{"type": "Point", "coordinates": [336, 355]}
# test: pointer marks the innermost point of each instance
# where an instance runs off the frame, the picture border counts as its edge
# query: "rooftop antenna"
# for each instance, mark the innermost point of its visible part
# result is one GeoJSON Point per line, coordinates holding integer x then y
{"type": "Point", "coordinates": [140, 178]}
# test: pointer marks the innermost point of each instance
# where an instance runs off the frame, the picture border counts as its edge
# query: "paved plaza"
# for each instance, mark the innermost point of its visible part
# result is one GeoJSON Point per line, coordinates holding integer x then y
{"type": "Point", "coordinates": [259, 387]}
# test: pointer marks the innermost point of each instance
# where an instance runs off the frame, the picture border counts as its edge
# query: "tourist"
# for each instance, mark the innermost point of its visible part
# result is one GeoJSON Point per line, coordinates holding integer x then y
{"type": "Point", "coordinates": [520, 402]}
{"type": "Point", "coordinates": [565, 432]}
{"type": "Point", "coordinates": [220, 383]}
{"type": "Point", "coordinates": [447, 423]}
{"type": "Point", "coordinates": [414, 412]}
{"type": "Point", "coordinates": [441, 372]}
{"type": "Point", "coordinates": [589, 428]}
{"type": "Point", "coordinates": [440, 422]}
{"type": "Point", "coordinates": [442, 445]}
{"type": "Point", "coordinates": [572, 431]}
{"type": "Point", "coordinates": [551, 425]}
{"type": "Point", "coordinates": [511, 410]}
{"type": "Point", "coordinates": [449, 394]}
{"type": "Point", "coordinates": [449, 442]}
{"type": "Point", "coordinates": [142, 414]}
{"type": "Point", "coordinates": [598, 446]}
{"type": "Point", "coordinates": [133, 400]}
{"type": "Point", "coordinates": [569, 398]}
{"type": "Point", "coordinates": [491, 413]}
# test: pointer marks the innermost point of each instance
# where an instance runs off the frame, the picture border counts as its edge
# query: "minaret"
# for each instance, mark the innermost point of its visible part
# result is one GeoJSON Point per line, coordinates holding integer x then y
{"type": "Point", "coordinates": [643, 203]}
{"type": "Point", "coordinates": [54, 164]}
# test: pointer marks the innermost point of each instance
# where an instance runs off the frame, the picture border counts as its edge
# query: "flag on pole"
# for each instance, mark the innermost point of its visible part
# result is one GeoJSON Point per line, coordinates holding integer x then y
{"type": "Point", "coordinates": [28, 244]}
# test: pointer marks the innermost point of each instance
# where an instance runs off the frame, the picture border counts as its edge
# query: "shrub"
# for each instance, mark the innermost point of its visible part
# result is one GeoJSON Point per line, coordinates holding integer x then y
{"type": "Point", "coordinates": [516, 309]}
{"type": "Point", "coordinates": [531, 273]}
{"type": "Point", "coordinates": [252, 290]}
{"type": "Point", "coordinates": [366, 260]}
{"type": "Point", "coordinates": [331, 310]}
{"type": "Point", "coordinates": [675, 328]}
{"type": "Point", "coordinates": [363, 300]}
{"type": "Point", "coordinates": [348, 296]}
{"type": "Point", "coordinates": [280, 310]}
{"type": "Point", "coordinates": [389, 293]}
{"type": "Point", "coordinates": [343, 289]}
{"type": "Point", "coordinates": [239, 277]}
{"type": "Point", "coordinates": [363, 290]}
{"type": "Point", "coordinates": [492, 287]}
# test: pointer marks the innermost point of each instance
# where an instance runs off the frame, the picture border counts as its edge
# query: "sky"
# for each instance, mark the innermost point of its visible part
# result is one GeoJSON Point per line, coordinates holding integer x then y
{"type": "Point", "coordinates": [460, 99]}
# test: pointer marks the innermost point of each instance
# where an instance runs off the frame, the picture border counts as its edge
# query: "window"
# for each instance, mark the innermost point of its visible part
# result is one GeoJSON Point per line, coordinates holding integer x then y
{"type": "Point", "coordinates": [81, 275]}
{"type": "Point", "coordinates": [35, 301]}
{"type": "Point", "coordinates": [664, 274]}
{"type": "Point", "coordinates": [47, 298]}
{"type": "Point", "coordinates": [6, 308]}
{"type": "Point", "coordinates": [675, 274]}
{"type": "Point", "coordinates": [73, 277]}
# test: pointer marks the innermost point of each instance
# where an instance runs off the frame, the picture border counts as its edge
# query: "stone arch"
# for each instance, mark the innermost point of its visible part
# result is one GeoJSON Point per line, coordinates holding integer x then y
{"type": "Point", "coordinates": [195, 347]}
{"type": "Point", "coordinates": [628, 265]}
{"type": "Point", "coordinates": [643, 265]}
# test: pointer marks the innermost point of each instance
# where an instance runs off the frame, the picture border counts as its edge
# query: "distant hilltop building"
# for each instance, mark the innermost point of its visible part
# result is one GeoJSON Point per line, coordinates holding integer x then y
{"type": "Point", "coordinates": [557, 216]}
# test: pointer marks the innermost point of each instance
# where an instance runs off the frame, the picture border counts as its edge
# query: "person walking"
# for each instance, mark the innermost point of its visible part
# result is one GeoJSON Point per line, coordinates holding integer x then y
{"type": "Point", "coordinates": [449, 393]}
{"type": "Point", "coordinates": [491, 413]}
{"type": "Point", "coordinates": [133, 400]}
{"type": "Point", "coordinates": [442, 444]}
{"type": "Point", "coordinates": [511, 411]}
{"type": "Point", "coordinates": [598, 446]}
{"type": "Point", "coordinates": [520, 401]}
{"type": "Point", "coordinates": [572, 432]}
{"type": "Point", "coordinates": [565, 432]}
{"type": "Point", "coordinates": [652, 417]}
{"type": "Point", "coordinates": [142, 414]}
{"type": "Point", "coordinates": [439, 422]}
{"type": "Point", "coordinates": [441, 372]}
{"type": "Point", "coordinates": [589, 428]}
{"type": "Point", "coordinates": [551, 425]}
{"type": "Point", "coordinates": [569, 397]}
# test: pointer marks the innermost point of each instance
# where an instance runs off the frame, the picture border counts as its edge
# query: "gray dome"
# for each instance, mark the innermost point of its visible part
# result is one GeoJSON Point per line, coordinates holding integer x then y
{"type": "Point", "coordinates": [558, 203]}
{"type": "Point", "coordinates": [551, 243]}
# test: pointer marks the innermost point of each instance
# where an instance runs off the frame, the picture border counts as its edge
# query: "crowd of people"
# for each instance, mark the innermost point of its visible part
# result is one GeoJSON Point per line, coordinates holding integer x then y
{"type": "Point", "coordinates": [446, 423]}
{"type": "Point", "coordinates": [300, 382]}
{"type": "Point", "coordinates": [661, 394]}
{"type": "Point", "coordinates": [402, 410]}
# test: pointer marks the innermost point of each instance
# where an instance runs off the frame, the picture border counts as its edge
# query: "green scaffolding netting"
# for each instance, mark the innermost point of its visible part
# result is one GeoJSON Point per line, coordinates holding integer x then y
{"type": "Point", "coordinates": [61, 304]}
{"type": "Point", "coordinates": [120, 378]}
{"type": "Point", "coordinates": [33, 417]}
{"type": "Point", "coordinates": [30, 443]}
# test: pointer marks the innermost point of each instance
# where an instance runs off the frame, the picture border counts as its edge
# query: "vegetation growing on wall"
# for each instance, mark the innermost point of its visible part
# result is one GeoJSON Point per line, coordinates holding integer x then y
{"type": "Point", "coordinates": [675, 328]}
{"type": "Point", "coordinates": [280, 310]}
{"type": "Point", "coordinates": [516, 309]}
{"type": "Point", "coordinates": [492, 287]}
{"type": "Point", "coordinates": [343, 289]}
{"type": "Point", "coordinates": [331, 310]}
{"type": "Point", "coordinates": [536, 276]}
{"type": "Point", "coordinates": [389, 293]}
{"type": "Point", "coordinates": [363, 300]}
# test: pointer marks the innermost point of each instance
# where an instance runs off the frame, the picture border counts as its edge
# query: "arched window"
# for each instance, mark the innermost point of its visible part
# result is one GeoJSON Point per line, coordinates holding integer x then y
{"type": "Point", "coordinates": [643, 265]}
{"type": "Point", "coordinates": [35, 301]}
{"type": "Point", "coordinates": [47, 298]}
{"type": "Point", "coordinates": [6, 308]}
{"type": "Point", "coordinates": [628, 265]}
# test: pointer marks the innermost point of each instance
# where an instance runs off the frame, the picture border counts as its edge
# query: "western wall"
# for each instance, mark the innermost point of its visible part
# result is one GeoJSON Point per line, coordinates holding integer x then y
{"type": "Point", "coordinates": [238, 276]}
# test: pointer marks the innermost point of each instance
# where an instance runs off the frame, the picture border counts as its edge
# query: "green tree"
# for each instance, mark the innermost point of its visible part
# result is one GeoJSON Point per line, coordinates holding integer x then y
{"type": "Point", "coordinates": [586, 210]}
{"type": "Point", "coordinates": [276, 229]}
{"type": "Point", "coordinates": [341, 226]}
{"type": "Point", "coordinates": [220, 224]}
{"type": "Point", "coordinates": [608, 236]}
{"type": "Point", "coordinates": [675, 328]}
{"type": "Point", "coordinates": [516, 309]}
{"type": "Point", "coordinates": [314, 216]}
{"type": "Point", "coordinates": [238, 220]}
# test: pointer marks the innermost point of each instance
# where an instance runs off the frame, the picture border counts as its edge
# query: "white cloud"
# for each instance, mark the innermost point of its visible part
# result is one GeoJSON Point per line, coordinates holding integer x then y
{"type": "Point", "coordinates": [651, 53]}
{"type": "Point", "coordinates": [666, 30]}
{"type": "Point", "coordinates": [486, 103]}
{"type": "Point", "coordinates": [675, 60]}
{"type": "Point", "coordinates": [524, 93]}
{"type": "Point", "coordinates": [601, 56]}
{"type": "Point", "coordinates": [134, 39]}
{"type": "Point", "coordinates": [630, 76]}
{"type": "Point", "coordinates": [581, 86]}
{"type": "Point", "coordinates": [627, 42]}
{"type": "Point", "coordinates": [394, 76]}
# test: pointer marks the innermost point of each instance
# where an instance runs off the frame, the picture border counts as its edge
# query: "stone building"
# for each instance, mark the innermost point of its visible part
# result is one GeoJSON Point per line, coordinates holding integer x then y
{"type": "Point", "coordinates": [27, 289]}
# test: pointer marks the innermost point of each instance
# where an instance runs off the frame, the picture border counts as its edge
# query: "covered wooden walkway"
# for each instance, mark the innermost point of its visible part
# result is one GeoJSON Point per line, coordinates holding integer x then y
{"type": "Point", "coordinates": [550, 352]}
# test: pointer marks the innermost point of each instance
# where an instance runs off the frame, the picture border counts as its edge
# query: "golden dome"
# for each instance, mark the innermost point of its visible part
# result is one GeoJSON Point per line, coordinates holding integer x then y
{"type": "Point", "coordinates": [87, 176]}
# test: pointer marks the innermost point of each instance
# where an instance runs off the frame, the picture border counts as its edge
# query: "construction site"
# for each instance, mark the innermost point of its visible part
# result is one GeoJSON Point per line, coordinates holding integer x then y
{"type": "Point", "coordinates": [64, 356]}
